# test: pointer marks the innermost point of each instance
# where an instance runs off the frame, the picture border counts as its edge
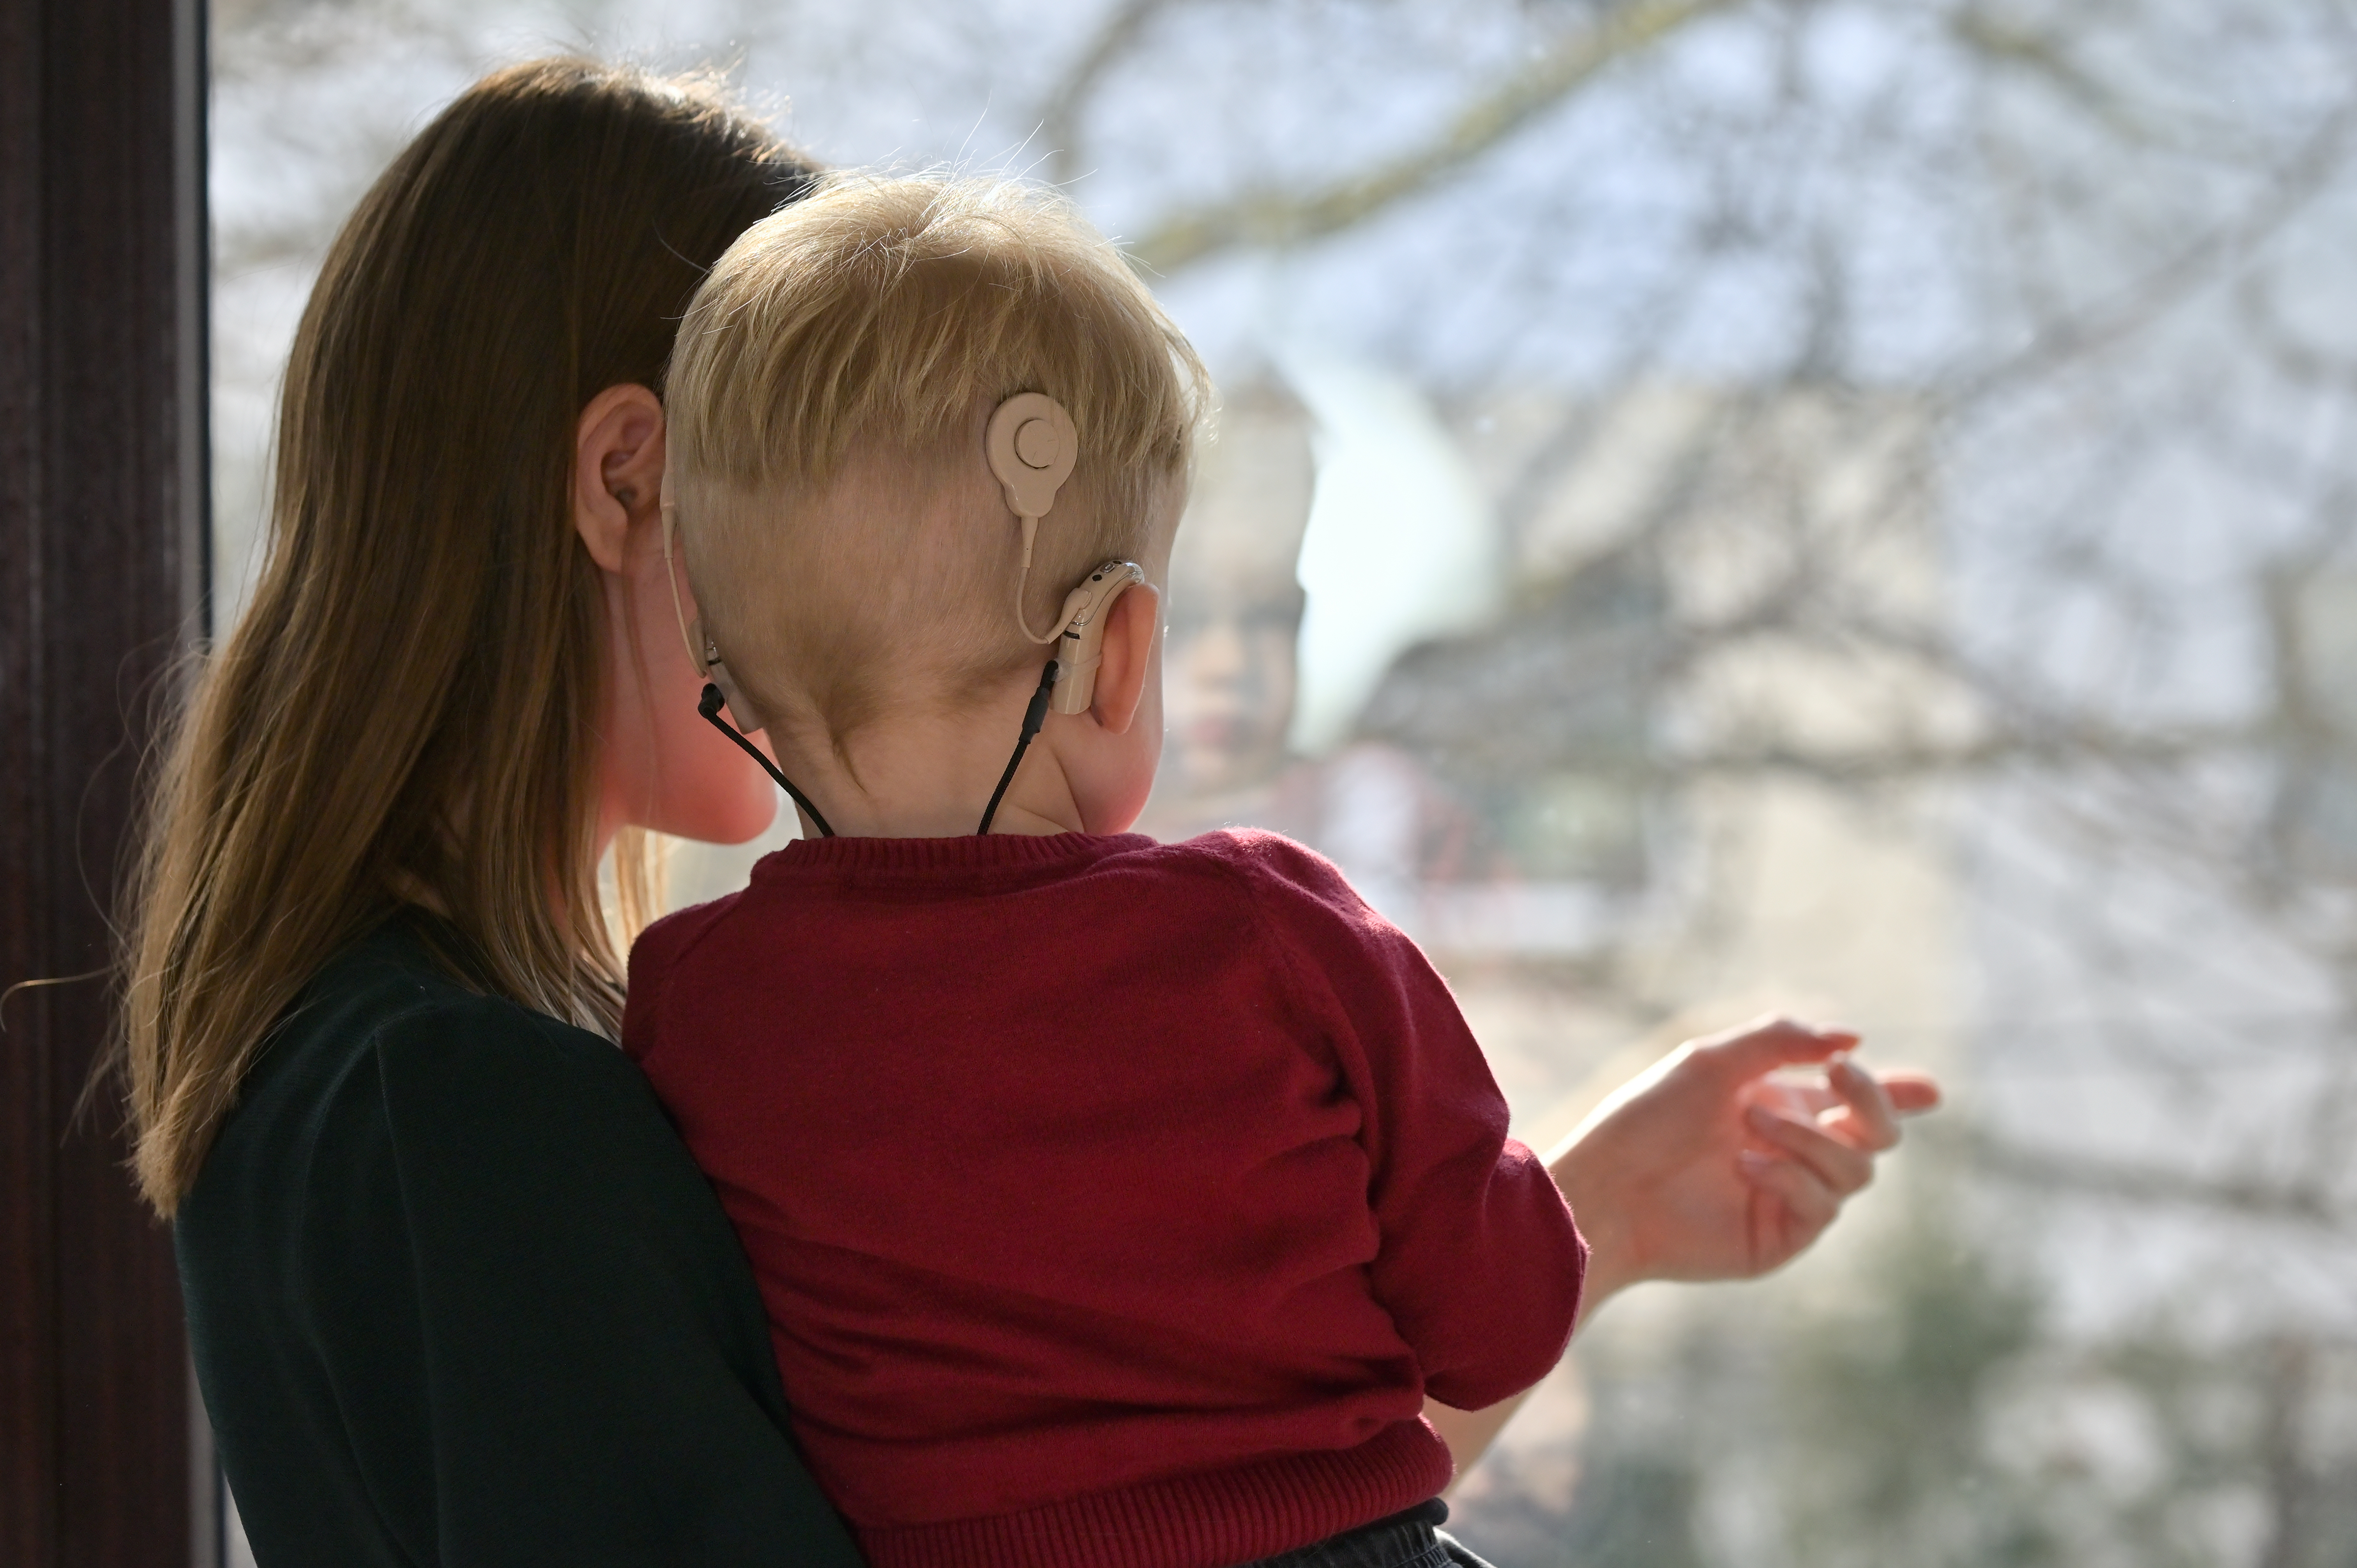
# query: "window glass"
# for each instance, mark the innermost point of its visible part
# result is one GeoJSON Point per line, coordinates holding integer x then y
{"type": "Point", "coordinates": [1840, 506]}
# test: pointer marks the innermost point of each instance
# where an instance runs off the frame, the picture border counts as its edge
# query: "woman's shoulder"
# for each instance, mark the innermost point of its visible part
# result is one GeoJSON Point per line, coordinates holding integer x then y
{"type": "Point", "coordinates": [449, 1256]}
{"type": "Point", "coordinates": [386, 1056]}
{"type": "Point", "coordinates": [397, 988]}
{"type": "Point", "coordinates": [405, 1134]}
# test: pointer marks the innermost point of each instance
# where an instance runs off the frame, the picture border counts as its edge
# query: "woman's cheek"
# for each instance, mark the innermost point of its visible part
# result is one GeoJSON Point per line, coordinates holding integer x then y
{"type": "Point", "coordinates": [705, 787]}
{"type": "Point", "coordinates": [711, 790]}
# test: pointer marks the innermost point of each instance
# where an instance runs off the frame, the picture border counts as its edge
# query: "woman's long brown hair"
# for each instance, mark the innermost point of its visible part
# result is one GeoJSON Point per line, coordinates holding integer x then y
{"type": "Point", "coordinates": [407, 712]}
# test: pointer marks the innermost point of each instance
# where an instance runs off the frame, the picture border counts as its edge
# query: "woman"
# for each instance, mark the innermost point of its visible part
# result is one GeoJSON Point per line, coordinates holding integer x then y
{"type": "Point", "coordinates": [455, 1291]}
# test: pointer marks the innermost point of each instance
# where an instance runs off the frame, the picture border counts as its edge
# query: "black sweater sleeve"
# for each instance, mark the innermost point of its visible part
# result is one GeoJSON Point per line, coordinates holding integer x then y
{"type": "Point", "coordinates": [460, 1297]}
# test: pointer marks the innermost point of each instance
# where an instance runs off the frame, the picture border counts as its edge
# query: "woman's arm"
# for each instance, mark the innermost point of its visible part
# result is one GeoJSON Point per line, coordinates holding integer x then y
{"type": "Point", "coordinates": [1713, 1166]}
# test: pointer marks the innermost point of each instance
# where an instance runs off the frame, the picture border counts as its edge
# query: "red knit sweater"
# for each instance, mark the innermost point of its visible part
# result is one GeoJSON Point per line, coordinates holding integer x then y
{"type": "Point", "coordinates": [1116, 1203]}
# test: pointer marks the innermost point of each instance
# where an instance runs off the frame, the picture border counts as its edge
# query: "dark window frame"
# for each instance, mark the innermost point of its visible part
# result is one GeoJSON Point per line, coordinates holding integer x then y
{"type": "Point", "coordinates": [106, 1460]}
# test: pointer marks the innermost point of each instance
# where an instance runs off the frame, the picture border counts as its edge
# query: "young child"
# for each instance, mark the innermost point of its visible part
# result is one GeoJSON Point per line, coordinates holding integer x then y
{"type": "Point", "coordinates": [1114, 1202]}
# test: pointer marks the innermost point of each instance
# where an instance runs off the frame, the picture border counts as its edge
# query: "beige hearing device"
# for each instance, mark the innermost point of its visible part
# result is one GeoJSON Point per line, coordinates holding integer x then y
{"type": "Point", "coordinates": [1083, 647]}
{"type": "Point", "coordinates": [1032, 447]}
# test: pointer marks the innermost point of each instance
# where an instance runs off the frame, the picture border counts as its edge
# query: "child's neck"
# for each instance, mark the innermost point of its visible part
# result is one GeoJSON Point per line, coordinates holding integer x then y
{"type": "Point", "coordinates": [930, 775]}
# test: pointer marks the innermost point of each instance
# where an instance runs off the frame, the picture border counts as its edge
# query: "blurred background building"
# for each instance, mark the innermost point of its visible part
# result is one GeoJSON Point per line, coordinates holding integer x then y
{"type": "Point", "coordinates": [1833, 504]}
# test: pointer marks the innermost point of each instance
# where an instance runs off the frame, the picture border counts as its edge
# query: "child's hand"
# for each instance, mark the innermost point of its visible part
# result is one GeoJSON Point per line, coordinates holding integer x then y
{"type": "Point", "coordinates": [1721, 1162]}
{"type": "Point", "coordinates": [1718, 1162]}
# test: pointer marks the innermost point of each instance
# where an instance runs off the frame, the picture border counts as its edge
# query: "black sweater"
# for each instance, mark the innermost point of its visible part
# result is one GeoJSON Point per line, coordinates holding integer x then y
{"type": "Point", "coordinates": [458, 1297]}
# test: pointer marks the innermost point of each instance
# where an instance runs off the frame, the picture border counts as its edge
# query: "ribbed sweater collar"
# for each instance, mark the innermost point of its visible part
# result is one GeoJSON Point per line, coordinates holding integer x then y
{"type": "Point", "coordinates": [969, 853]}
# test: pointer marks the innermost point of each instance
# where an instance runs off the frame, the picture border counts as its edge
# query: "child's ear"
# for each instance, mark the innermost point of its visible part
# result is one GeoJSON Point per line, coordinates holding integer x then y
{"type": "Point", "coordinates": [1128, 654]}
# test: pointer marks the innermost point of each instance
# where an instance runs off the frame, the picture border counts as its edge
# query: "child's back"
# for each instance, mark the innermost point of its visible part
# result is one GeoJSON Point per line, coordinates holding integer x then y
{"type": "Point", "coordinates": [1114, 1202]}
{"type": "Point", "coordinates": [1102, 1189]}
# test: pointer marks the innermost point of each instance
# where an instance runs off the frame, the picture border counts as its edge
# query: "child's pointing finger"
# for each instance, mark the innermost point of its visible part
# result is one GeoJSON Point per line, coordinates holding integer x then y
{"type": "Point", "coordinates": [1766, 1043]}
{"type": "Point", "coordinates": [1866, 1117]}
{"type": "Point", "coordinates": [1838, 1165]}
{"type": "Point", "coordinates": [1911, 1093]}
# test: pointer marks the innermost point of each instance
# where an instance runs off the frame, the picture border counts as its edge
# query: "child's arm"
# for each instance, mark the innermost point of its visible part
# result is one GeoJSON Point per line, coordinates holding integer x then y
{"type": "Point", "coordinates": [1477, 1259]}
{"type": "Point", "coordinates": [1707, 1167]}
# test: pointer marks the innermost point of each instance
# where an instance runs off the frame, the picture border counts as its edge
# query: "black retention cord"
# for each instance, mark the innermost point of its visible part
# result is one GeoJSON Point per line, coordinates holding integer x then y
{"type": "Point", "coordinates": [710, 706]}
{"type": "Point", "coordinates": [1033, 717]}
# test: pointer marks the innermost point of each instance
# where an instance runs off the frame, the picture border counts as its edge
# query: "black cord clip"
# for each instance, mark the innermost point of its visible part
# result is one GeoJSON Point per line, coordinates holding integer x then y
{"type": "Point", "coordinates": [1033, 717]}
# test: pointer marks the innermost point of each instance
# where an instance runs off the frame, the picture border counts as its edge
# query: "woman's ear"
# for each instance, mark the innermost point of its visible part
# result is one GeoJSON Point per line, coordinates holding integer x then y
{"type": "Point", "coordinates": [617, 465]}
{"type": "Point", "coordinates": [1128, 654]}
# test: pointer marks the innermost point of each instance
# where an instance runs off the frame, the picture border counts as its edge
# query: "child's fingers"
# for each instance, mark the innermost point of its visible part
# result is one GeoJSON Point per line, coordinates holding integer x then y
{"type": "Point", "coordinates": [1788, 1095]}
{"type": "Point", "coordinates": [1840, 1165]}
{"type": "Point", "coordinates": [1807, 1098]}
{"type": "Point", "coordinates": [1766, 1043]}
{"type": "Point", "coordinates": [1809, 1205]}
{"type": "Point", "coordinates": [1911, 1093]}
{"type": "Point", "coordinates": [1871, 1118]}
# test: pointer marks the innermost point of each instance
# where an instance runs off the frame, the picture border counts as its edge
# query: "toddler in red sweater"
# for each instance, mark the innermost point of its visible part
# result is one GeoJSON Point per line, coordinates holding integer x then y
{"type": "Point", "coordinates": [1114, 1202]}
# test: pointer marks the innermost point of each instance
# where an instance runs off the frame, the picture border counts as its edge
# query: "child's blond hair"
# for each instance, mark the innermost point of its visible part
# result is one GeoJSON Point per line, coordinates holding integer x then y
{"type": "Point", "coordinates": [873, 326]}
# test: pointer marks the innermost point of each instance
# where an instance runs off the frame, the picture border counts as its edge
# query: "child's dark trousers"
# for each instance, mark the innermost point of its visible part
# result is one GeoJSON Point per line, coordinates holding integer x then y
{"type": "Point", "coordinates": [1409, 1540]}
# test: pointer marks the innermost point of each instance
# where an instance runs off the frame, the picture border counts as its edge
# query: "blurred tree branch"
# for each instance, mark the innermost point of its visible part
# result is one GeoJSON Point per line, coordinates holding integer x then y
{"type": "Point", "coordinates": [1269, 217]}
{"type": "Point", "coordinates": [2007, 42]}
{"type": "Point", "coordinates": [2299, 180]}
{"type": "Point", "coordinates": [1059, 116]}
